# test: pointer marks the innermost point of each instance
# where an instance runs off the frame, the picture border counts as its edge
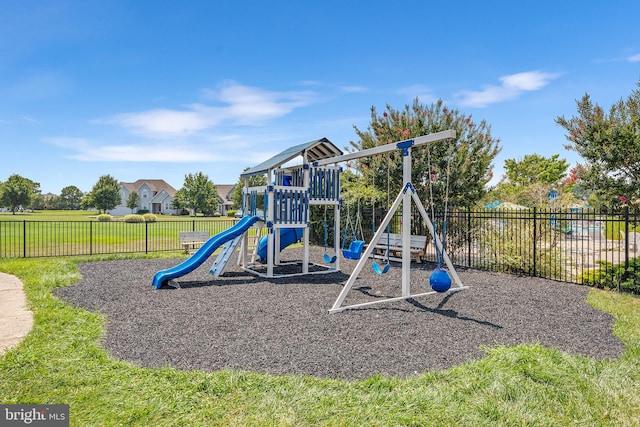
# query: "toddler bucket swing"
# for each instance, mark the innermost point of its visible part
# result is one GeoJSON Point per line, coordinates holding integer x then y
{"type": "Point", "coordinates": [374, 265]}
{"type": "Point", "coordinates": [354, 251]}
{"type": "Point", "coordinates": [327, 258]}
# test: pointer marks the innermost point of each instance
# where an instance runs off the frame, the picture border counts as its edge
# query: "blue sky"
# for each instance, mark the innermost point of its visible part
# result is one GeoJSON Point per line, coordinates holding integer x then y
{"type": "Point", "coordinates": [159, 89]}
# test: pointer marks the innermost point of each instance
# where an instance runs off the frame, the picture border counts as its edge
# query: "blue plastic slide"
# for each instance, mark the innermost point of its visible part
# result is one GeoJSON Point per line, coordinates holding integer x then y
{"type": "Point", "coordinates": [288, 236]}
{"type": "Point", "coordinates": [205, 251]}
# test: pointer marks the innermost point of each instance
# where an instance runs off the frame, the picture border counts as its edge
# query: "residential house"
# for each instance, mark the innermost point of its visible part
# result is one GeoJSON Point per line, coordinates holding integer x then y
{"type": "Point", "coordinates": [225, 191]}
{"type": "Point", "coordinates": [154, 196]}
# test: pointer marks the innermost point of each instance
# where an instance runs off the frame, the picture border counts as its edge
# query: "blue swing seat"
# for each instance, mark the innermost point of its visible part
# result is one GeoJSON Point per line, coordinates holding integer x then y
{"type": "Point", "coordinates": [355, 250]}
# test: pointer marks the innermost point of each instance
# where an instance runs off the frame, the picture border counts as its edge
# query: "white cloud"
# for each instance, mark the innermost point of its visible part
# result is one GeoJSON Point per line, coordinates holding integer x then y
{"type": "Point", "coordinates": [353, 89]}
{"type": "Point", "coordinates": [422, 92]}
{"type": "Point", "coordinates": [634, 58]}
{"type": "Point", "coordinates": [164, 122]}
{"type": "Point", "coordinates": [235, 104]}
{"type": "Point", "coordinates": [223, 148]}
{"type": "Point", "coordinates": [512, 87]}
{"type": "Point", "coordinates": [90, 151]}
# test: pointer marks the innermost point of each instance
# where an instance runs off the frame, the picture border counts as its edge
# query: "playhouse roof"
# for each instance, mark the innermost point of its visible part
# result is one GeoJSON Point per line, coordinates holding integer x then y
{"type": "Point", "coordinates": [319, 149]}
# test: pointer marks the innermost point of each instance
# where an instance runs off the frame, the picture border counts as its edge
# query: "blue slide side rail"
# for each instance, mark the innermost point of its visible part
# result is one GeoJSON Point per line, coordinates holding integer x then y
{"type": "Point", "coordinates": [205, 251]}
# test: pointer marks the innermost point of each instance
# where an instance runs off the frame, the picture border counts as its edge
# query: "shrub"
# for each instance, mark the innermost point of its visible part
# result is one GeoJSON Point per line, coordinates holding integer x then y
{"type": "Point", "coordinates": [149, 217]}
{"type": "Point", "coordinates": [104, 218]}
{"type": "Point", "coordinates": [142, 211]}
{"type": "Point", "coordinates": [217, 214]}
{"type": "Point", "coordinates": [134, 218]}
{"type": "Point", "coordinates": [231, 212]}
{"type": "Point", "coordinates": [507, 244]}
{"type": "Point", "coordinates": [610, 276]}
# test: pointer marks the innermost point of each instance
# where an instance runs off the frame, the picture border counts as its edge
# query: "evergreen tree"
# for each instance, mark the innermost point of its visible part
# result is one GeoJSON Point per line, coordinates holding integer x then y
{"type": "Point", "coordinates": [609, 145]}
{"type": "Point", "coordinates": [466, 161]}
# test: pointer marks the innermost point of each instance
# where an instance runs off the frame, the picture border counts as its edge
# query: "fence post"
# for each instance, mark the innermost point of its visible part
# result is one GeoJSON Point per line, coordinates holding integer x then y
{"type": "Point", "coordinates": [626, 243]}
{"type": "Point", "coordinates": [535, 237]}
{"type": "Point", "coordinates": [469, 237]}
{"type": "Point", "coordinates": [146, 237]}
{"type": "Point", "coordinates": [24, 238]}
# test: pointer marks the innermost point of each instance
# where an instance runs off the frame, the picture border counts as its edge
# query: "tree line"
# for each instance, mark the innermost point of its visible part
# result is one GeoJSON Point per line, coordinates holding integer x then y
{"type": "Point", "coordinates": [198, 195]}
{"type": "Point", "coordinates": [453, 172]}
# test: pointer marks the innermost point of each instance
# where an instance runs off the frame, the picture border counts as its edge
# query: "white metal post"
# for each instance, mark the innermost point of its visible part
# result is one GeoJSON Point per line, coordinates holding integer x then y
{"type": "Point", "coordinates": [406, 224]}
{"type": "Point", "coordinates": [336, 235]}
{"type": "Point", "coordinates": [270, 219]}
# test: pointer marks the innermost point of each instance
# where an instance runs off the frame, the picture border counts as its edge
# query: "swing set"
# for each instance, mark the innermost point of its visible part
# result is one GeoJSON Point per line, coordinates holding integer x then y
{"type": "Point", "coordinates": [441, 278]}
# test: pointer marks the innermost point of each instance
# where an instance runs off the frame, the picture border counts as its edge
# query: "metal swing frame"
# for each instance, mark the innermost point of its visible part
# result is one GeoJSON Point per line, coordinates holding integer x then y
{"type": "Point", "coordinates": [406, 195]}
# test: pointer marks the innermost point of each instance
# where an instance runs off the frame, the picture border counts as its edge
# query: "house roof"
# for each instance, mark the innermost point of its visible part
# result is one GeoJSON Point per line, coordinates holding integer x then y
{"type": "Point", "coordinates": [225, 190]}
{"type": "Point", "coordinates": [318, 149]}
{"type": "Point", "coordinates": [156, 185]}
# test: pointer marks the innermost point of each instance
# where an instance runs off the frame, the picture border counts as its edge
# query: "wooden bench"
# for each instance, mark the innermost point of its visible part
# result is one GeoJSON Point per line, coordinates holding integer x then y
{"type": "Point", "coordinates": [392, 243]}
{"type": "Point", "coordinates": [192, 240]}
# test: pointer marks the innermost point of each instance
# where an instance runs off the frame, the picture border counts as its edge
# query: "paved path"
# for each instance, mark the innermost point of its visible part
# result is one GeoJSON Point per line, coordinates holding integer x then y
{"type": "Point", "coordinates": [16, 319]}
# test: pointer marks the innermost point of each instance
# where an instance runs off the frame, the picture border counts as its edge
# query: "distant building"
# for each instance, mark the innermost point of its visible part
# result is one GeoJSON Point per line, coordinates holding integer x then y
{"type": "Point", "coordinates": [225, 191]}
{"type": "Point", "coordinates": [154, 196]}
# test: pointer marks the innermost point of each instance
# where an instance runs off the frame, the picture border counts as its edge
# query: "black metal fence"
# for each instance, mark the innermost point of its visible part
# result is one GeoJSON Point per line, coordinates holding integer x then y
{"type": "Point", "coordinates": [66, 238]}
{"type": "Point", "coordinates": [579, 246]}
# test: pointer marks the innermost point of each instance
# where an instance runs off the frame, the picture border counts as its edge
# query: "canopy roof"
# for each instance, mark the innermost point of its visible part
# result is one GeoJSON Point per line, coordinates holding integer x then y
{"type": "Point", "coordinates": [319, 149]}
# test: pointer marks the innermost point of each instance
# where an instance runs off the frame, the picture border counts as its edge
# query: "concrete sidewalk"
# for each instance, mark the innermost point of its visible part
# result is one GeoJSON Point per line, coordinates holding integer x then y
{"type": "Point", "coordinates": [16, 319]}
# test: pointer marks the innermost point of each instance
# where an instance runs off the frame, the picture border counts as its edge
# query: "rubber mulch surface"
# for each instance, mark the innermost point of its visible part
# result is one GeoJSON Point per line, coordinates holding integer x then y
{"type": "Point", "coordinates": [282, 325]}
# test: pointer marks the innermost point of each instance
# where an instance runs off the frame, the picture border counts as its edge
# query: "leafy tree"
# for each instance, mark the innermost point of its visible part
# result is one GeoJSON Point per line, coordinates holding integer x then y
{"type": "Point", "coordinates": [179, 201]}
{"type": "Point", "coordinates": [199, 193]}
{"type": "Point", "coordinates": [529, 181]}
{"type": "Point", "coordinates": [87, 202]}
{"type": "Point", "coordinates": [534, 169]}
{"type": "Point", "coordinates": [466, 161]}
{"type": "Point", "coordinates": [133, 200]}
{"type": "Point", "coordinates": [254, 181]}
{"type": "Point", "coordinates": [609, 144]}
{"type": "Point", "coordinates": [37, 201]}
{"type": "Point", "coordinates": [70, 198]}
{"type": "Point", "coordinates": [18, 191]}
{"type": "Point", "coordinates": [105, 194]}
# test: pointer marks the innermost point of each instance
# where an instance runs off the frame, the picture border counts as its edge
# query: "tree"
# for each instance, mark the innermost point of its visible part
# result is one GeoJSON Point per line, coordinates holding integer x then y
{"type": "Point", "coordinates": [465, 161]}
{"type": "Point", "coordinates": [70, 198]}
{"type": "Point", "coordinates": [18, 191]}
{"type": "Point", "coordinates": [610, 146]}
{"type": "Point", "coordinates": [199, 193]}
{"type": "Point", "coordinates": [254, 181]}
{"type": "Point", "coordinates": [133, 200]}
{"type": "Point", "coordinates": [179, 201]}
{"type": "Point", "coordinates": [37, 201]}
{"type": "Point", "coordinates": [535, 169]}
{"type": "Point", "coordinates": [529, 181]}
{"type": "Point", "coordinates": [105, 194]}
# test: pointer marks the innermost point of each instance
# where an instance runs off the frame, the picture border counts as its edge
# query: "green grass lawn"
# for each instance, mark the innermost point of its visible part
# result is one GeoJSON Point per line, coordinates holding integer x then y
{"type": "Point", "coordinates": [57, 233]}
{"type": "Point", "coordinates": [62, 361]}
{"type": "Point", "coordinates": [82, 215]}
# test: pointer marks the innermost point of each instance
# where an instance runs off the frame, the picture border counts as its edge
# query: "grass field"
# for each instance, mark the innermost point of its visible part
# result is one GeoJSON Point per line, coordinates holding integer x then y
{"type": "Point", "coordinates": [62, 361]}
{"type": "Point", "coordinates": [63, 233]}
{"type": "Point", "coordinates": [81, 215]}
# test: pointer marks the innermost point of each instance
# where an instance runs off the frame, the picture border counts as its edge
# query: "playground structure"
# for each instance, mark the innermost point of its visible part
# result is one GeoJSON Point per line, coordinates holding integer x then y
{"type": "Point", "coordinates": [287, 202]}
{"type": "Point", "coordinates": [286, 215]}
